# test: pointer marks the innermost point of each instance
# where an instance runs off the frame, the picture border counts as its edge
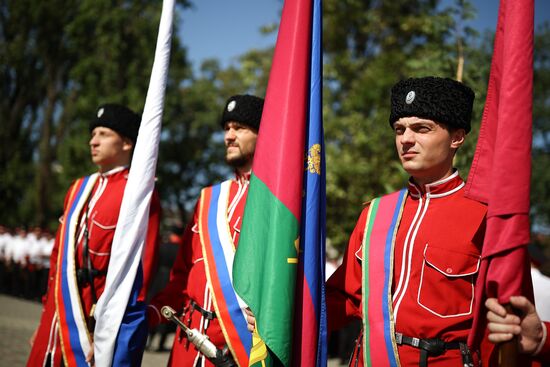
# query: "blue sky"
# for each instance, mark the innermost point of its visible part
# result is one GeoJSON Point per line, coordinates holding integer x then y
{"type": "Point", "coordinates": [225, 29]}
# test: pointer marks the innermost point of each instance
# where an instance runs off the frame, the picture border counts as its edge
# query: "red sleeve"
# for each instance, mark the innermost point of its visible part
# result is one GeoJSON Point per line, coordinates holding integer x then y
{"type": "Point", "coordinates": [174, 293]}
{"type": "Point", "coordinates": [151, 248]}
{"type": "Point", "coordinates": [344, 286]}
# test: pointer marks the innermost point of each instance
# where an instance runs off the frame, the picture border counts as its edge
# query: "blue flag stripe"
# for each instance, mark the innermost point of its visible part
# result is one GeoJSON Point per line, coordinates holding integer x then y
{"type": "Point", "coordinates": [313, 217]}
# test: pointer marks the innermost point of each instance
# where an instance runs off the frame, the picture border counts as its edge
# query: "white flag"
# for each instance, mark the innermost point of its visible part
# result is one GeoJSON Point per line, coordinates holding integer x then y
{"type": "Point", "coordinates": [132, 224]}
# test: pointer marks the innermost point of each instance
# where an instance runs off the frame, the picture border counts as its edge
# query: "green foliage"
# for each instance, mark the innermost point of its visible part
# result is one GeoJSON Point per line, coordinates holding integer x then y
{"type": "Point", "coordinates": [540, 182]}
{"type": "Point", "coordinates": [369, 46]}
{"type": "Point", "coordinates": [192, 150]}
{"type": "Point", "coordinates": [61, 59]}
{"type": "Point", "coordinates": [187, 152]}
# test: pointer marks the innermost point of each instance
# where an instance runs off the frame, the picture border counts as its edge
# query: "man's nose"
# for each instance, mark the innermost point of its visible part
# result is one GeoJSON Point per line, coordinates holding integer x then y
{"type": "Point", "coordinates": [407, 137]}
{"type": "Point", "coordinates": [229, 135]}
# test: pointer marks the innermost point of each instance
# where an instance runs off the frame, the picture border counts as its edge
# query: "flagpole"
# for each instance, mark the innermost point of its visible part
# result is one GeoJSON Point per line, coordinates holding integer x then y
{"type": "Point", "coordinates": [508, 352]}
{"type": "Point", "coordinates": [132, 222]}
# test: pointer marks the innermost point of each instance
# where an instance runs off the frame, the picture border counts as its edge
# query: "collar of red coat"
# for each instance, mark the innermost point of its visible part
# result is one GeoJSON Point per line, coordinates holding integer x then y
{"type": "Point", "coordinates": [118, 170]}
{"type": "Point", "coordinates": [441, 188]}
{"type": "Point", "coordinates": [243, 178]}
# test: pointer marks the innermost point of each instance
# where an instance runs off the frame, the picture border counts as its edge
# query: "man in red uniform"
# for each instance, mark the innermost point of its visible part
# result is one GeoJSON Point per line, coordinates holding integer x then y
{"type": "Point", "coordinates": [80, 257]}
{"type": "Point", "coordinates": [410, 267]}
{"type": "Point", "coordinates": [200, 286]}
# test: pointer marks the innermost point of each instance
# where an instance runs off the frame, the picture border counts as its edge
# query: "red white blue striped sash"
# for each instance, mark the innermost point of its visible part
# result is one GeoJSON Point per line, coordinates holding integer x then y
{"type": "Point", "coordinates": [219, 250]}
{"type": "Point", "coordinates": [75, 338]}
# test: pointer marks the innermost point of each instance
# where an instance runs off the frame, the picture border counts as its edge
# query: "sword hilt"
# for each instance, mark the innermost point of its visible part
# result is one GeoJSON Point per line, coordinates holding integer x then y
{"type": "Point", "coordinates": [170, 314]}
{"type": "Point", "coordinates": [200, 341]}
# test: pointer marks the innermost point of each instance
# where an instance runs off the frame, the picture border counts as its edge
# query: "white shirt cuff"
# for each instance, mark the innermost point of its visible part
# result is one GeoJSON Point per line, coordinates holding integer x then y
{"type": "Point", "coordinates": [543, 340]}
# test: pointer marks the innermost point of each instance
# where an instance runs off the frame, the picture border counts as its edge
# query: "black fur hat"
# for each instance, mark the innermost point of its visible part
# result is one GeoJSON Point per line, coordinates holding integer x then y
{"type": "Point", "coordinates": [118, 118]}
{"type": "Point", "coordinates": [245, 109]}
{"type": "Point", "coordinates": [440, 99]}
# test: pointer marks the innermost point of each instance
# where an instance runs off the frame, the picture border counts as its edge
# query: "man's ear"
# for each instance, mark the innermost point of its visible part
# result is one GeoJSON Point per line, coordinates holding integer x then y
{"type": "Point", "coordinates": [127, 144]}
{"type": "Point", "coordinates": [457, 138]}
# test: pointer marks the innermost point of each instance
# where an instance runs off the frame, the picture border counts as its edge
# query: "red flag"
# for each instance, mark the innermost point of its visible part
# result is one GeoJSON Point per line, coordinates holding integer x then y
{"type": "Point", "coordinates": [501, 169]}
{"type": "Point", "coordinates": [279, 265]}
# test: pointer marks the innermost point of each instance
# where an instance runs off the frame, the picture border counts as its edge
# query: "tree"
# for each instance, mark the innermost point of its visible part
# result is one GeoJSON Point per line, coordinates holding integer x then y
{"type": "Point", "coordinates": [62, 59]}
{"type": "Point", "coordinates": [540, 182]}
{"type": "Point", "coordinates": [192, 149]}
{"type": "Point", "coordinates": [369, 46]}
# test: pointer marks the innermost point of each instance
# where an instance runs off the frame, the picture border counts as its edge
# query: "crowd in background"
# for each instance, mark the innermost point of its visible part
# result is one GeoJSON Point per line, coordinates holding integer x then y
{"type": "Point", "coordinates": [25, 261]}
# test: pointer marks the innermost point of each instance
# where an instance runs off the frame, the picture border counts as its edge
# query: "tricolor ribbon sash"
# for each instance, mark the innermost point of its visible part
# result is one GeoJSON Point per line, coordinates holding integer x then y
{"type": "Point", "coordinates": [219, 250]}
{"type": "Point", "coordinates": [378, 247]}
{"type": "Point", "coordinates": [75, 338]}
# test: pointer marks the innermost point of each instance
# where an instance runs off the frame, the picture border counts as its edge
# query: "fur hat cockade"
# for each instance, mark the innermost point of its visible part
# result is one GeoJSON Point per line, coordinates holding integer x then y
{"type": "Point", "coordinates": [439, 99]}
{"type": "Point", "coordinates": [245, 109]}
{"type": "Point", "coordinates": [118, 118]}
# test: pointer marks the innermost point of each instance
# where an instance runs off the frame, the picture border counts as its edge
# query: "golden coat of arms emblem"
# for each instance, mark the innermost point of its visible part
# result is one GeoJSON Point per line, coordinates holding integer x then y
{"type": "Point", "coordinates": [314, 159]}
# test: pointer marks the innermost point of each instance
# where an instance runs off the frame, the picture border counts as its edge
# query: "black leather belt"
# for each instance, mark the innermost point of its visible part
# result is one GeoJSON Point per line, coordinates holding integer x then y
{"type": "Point", "coordinates": [83, 275]}
{"type": "Point", "coordinates": [434, 347]}
{"type": "Point", "coordinates": [209, 315]}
